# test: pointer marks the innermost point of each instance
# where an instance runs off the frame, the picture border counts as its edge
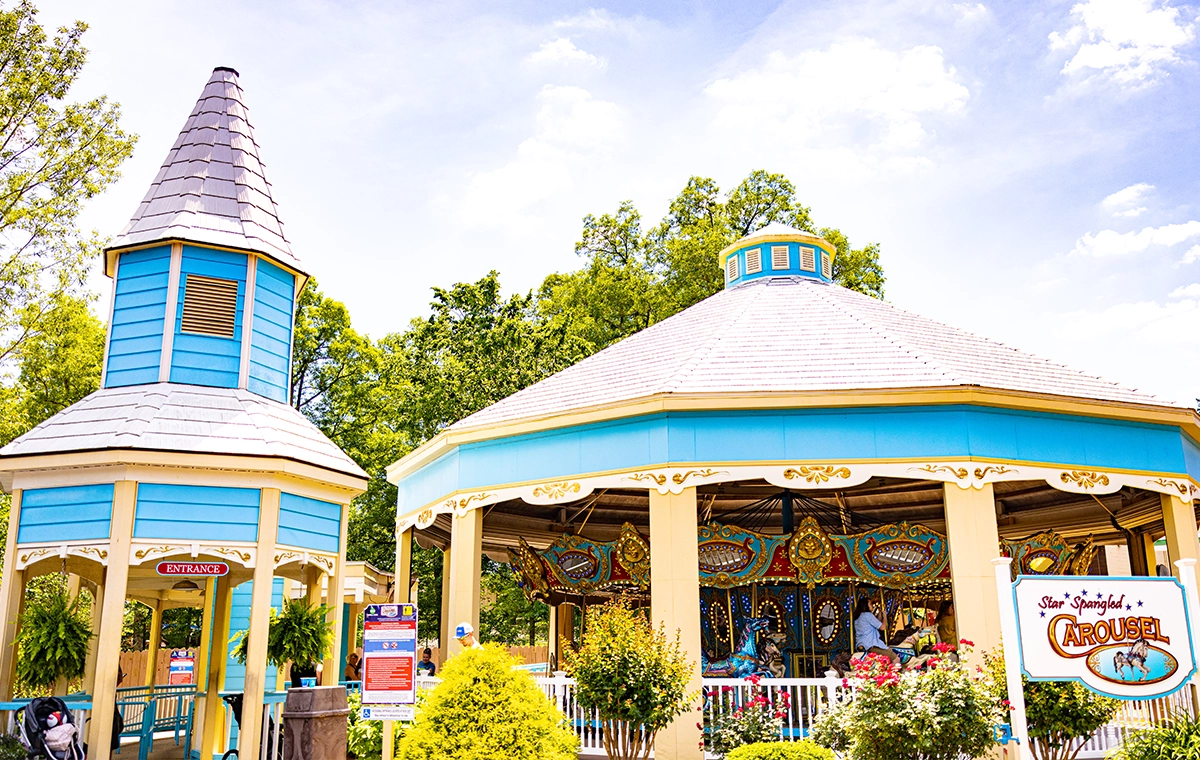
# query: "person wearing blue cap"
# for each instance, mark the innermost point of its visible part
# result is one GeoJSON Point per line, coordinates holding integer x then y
{"type": "Point", "coordinates": [465, 633]}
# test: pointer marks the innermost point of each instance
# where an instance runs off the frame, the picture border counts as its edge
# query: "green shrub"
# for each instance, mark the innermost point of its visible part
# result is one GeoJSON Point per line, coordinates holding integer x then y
{"type": "Point", "coordinates": [11, 748]}
{"type": "Point", "coordinates": [1177, 740]}
{"type": "Point", "coordinates": [483, 709]}
{"type": "Point", "coordinates": [804, 750]}
{"type": "Point", "coordinates": [364, 738]}
{"type": "Point", "coordinates": [632, 675]}
{"type": "Point", "coordinates": [300, 634]}
{"type": "Point", "coordinates": [52, 640]}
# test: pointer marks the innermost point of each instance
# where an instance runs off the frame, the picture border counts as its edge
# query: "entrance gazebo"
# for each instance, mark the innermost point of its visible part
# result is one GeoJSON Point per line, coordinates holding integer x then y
{"type": "Point", "coordinates": [668, 463]}
{"type": "Point", "coordinates": [189, 451]}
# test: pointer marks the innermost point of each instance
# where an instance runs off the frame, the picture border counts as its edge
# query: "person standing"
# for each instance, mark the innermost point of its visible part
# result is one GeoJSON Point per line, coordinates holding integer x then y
{"type": "Point", "coordinates": [427, 667]}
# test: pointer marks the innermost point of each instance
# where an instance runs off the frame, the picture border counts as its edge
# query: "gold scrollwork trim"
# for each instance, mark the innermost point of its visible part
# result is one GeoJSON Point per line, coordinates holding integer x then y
{"type": "Point", "coordinates": [101, 554]}
{"type": "Point", "coordinates": [34, 554]}
{"type": "Point", "coordinates": [426, 516]}
{"type": "Point", "coordinates": [680, 478]}
{"type": "Point", "coordinates": [642, 477]}
{"type": "Point", "coordinates": [999, 469]}
{"type": "Point", "coordinates": [1084, 478]}
{"type": "Point", "coordinates": [958, 472]}
{"type": "Point", "coordinates": [1182, 488]}
{"type": "Point", "coordinates": [555, 490]}
{"type": "Point", "coordinates": [816, 473]}
{"type": "Point", "coordinates": [164, 549]}
{"type": "Point", "coordinates": [459, 506]}
{"type": "Point", "coordinates": [244, 556]}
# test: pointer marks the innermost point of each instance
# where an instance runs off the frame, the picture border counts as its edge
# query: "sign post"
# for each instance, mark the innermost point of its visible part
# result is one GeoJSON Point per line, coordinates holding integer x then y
{"type": "Point", "coordinates": [1012, 656]}
{"type": "Point", "coordinates": [389, 684]}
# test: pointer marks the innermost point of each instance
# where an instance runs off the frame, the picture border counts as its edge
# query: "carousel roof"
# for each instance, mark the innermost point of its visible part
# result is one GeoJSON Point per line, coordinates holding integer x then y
{"type": "Point", "coordinates": [184, 418]}
{"type": "Point", "coordinates": [795, 334]}
{"type": "Point", "coordinates": [212, 187]}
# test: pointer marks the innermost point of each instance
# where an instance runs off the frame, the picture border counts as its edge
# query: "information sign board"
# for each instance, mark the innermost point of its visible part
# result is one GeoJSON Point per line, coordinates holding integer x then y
{"type": "Point", "coordinates": [183, 667]}
{"type": "Point", "coordinates": [389, 654]}
{"type": "Point", "coordinates": [387, 712]}
{"type": "Point", "coordinates": [1124, 637]}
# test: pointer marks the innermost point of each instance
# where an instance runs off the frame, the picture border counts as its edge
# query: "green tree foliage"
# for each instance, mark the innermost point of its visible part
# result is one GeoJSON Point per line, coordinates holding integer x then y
{"type": "Point", "coordinates": [181, 627]}
{"type": "Point", "coordinates": [1178, 739]}
{"type": "Point", "coordinates": [364, 738]}
{"type": "Point", "coordinates": [508, 616]}
{"type": "Point", "coordinates": [54, 155]}
{"type": "Point", "coordinates": [1057, 712]}
{"type": "Point", "coordinates": [60, 362]}
{"type": "Point", "coordinates": [52, 640]}
{"type": "Point", "coordinates": [484, 709]}
{"type": "Point", "coordinates": [632, 278]}
{"type": "Point", "coordinates": [632, 675]}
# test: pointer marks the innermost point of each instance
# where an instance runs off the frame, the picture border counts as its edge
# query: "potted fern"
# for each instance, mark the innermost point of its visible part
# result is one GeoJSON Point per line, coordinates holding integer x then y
{"type": "Point", "coordinates": [299, 634]}
{"type": "Point", "coordinates": [52, 640]}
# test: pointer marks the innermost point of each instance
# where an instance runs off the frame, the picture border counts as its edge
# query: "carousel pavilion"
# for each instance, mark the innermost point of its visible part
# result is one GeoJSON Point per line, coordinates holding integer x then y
{"type": "Point", "coordinates": [189, 451]}
{"type": "Point", "coordinates": [787, 447]}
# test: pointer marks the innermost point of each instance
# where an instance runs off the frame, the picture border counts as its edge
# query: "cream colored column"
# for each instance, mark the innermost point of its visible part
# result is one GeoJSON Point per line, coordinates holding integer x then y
{"type": "Point", "coordinates": [89, 666]}
{"type": "Point", "coordinates": [250, 733]}
{"type": "Point", "coordinates": [974, 541]}
{"type": "Point", "coordinates": [336, 597]}
{"type": "Point", "coordinates": [403, 579]}
{"type": "Point", "coordinates": [675, 603]}
{"type": "Point", "coordinates": [466, 563]}
{"type": "Point", "coordinates": [1180, 521]}
{"type": "Point", "coordinates": [445, 627]}
{"type": "Point", "coordinates": [12, 593]}
{"type": "Point", "coordinates": [202, 656]}
{"type": "Point", "coordinates": [154, 645]}
{"type": "Point", "coordinates": [108, 646]}
{"type": "Point", "coordinates": [213, 722]}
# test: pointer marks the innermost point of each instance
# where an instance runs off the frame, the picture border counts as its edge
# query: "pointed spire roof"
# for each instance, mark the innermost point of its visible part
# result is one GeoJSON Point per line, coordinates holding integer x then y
{"type": "Point", "coordinates": [212, 187]}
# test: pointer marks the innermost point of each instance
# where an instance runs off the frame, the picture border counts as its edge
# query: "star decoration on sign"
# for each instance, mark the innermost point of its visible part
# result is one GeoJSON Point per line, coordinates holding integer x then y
{"type": "Point", "coordinates": [1043, 613]}
{"type": "Point", "coordinates": [1128, 606]}
{"type": "Point", "coordinates": [1139, 602]}
{"type": "Point", "coordinates": [1067, 595]}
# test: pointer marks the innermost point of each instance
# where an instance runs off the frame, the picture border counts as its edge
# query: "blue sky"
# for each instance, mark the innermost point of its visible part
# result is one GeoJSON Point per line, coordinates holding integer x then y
{"type": "Point", "coordinates": [1032, 171]}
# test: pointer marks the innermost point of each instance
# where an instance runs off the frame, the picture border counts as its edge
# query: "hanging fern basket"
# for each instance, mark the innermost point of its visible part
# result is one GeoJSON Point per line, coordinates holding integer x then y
{"type": "Point", "coordinates": [53, 640]}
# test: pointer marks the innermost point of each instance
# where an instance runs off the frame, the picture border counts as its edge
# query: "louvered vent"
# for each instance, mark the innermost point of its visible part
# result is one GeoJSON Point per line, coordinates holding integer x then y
{"type": "Point", "coordinates": [826, 268]}
{"type": "Point", "coordinates": [779, 257]}
{"type": "Point", "coordinates": [209, 306]}
{"type": "Point", "coordinates": [807, 263]}
{"type": "Point", "coordinates": [753, 260]}
{"type": "Point", "coordinates": [731, 270]}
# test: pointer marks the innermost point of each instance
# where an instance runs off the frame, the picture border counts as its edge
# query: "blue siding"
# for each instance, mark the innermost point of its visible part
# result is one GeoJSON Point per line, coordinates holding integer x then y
{"type": "Point", "coordinates": [309, 523]}
{"type": "Point", "coordinates": [793, 267]}
{"type": "Point", "coordinates": [196, 513]}
{"type": "Point", "coordinates": [204, 359]}
{"type": "Point", "coordinates": [797, 435]}
{"type": "Point", "coordinates": [239, 620]}
{"type": "Point", "coordinates": [139, 309]}
{"type": "Point", "coordinates": [271, 341]}
{"type": "Point", "coordinates": [72, 513]}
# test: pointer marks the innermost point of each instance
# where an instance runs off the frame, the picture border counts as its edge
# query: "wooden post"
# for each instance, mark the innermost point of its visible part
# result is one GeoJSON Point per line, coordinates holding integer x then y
{"type": "Point", "coordinates": [12, 595]}
{"type": "Point", "coordinates": [203, 655]}
{"type": "Point", "coordinates": [108, 646]}
{"type": "Point", "coordinates": [335, 595]}
{"type": "Point", "coordinates": [445, 627]}
{"type": "Point", "coordinates": [675, 603]}
{"type": "Point", "coordinates": [974, 541]}
{"type": "Point", "coordinates": [154, 644]}
{"type": "Point", "coordinates": [250, 733]}
{"type": "Point", "coordinates": [89, 667]}
{"type": "Point", "coordinates": [214, 678]}
{"type": "Point", "coordinates": [1179, 518]}
{"type": "Point", "coordinates": [466, 563]}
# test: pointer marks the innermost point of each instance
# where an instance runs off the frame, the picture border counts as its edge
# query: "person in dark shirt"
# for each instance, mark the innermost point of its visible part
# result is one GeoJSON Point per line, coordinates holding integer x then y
{"type": "Point", "coordinates": [427, 667]}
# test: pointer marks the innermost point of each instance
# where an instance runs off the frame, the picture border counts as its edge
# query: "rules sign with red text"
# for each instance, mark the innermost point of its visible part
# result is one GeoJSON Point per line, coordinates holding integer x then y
{"type": "Point", "coordinates": [1124, 637]}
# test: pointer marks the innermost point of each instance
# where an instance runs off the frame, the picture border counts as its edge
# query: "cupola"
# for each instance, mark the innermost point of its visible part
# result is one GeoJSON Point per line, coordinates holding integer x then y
{"type": "Point", "coordinates": [777, 250]}
{"type": "Point", "coordinates": [206, 282]}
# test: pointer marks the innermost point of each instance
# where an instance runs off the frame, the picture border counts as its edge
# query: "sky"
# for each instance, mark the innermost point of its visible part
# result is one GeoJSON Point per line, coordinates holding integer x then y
{"type": "Point", "coordinates": [1030, 170]}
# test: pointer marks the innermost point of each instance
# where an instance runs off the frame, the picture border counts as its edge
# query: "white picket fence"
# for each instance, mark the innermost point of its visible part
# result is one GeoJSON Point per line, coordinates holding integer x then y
{"type": "Point", "coordinates": [808, 697]}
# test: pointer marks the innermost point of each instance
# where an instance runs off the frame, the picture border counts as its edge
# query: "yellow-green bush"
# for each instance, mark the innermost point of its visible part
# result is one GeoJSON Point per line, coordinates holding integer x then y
{"type": "Point", "coordinates": [364, 738]}
{"type": "Point", "coordinates": [484, 709]}
{"type": "Point", "coordinates": [804, 750]}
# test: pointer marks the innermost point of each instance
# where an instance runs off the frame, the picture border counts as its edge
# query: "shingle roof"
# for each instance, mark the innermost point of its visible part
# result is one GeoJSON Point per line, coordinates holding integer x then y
{"type": "Point", "coordinates": [795, 334]}
{"type": "Point", "coordinates": [212, 187]}
{"type": "Point", "coordinates": [184, 418]}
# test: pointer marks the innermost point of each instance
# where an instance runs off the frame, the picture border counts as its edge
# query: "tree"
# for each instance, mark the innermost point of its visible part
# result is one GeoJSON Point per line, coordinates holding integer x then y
{"type": "Point", "coordinates": [509, 617]}
{"type": "Point", "coordinates": [53, 156]}
{"type": "Point", "coordinates": [60, 362]}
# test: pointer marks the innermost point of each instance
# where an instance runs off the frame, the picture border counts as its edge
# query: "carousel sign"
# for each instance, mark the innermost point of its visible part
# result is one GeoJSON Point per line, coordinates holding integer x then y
{"type": "Point", "coordinates": [1124, 637]}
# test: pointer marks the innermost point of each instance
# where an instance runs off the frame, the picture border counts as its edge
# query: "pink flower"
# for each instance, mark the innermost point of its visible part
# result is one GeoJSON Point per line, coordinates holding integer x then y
{"type": "Point", "coordinates": [966, 642]}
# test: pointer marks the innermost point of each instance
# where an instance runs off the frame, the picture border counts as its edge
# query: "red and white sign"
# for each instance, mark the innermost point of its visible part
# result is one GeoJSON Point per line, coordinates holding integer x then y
{"type": "Point", "coordinates": [389, 654]}
{"type": "Point", "coordinates": [192, 568]}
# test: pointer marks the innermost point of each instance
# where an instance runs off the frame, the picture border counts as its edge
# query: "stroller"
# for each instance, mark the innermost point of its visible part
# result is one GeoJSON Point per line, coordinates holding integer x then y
{"type": "Point", "coordinates": [48, 730]}
{"type": "Point", "coordinates": [234, 701]}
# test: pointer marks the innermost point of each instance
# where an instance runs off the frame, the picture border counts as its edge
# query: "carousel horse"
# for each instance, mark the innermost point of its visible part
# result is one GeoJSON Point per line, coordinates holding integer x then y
{"type": "Point", "coordinates": [744, 660]}
{"type": "Point", "coordinates": [772, 656]}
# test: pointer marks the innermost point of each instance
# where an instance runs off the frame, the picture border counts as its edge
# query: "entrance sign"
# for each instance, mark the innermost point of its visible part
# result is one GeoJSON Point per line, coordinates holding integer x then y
{"type": "Point", "coordinates": [389, 654]}
{"type": "Point", "coordinates": [192, 568]}
{"type": "Point", "coordinates": [1128, 638]}
{"type": "Point", "coordinates": [183, 667]}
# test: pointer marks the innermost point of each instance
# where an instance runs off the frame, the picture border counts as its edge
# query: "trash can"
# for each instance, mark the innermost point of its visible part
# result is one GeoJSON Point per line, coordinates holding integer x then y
{"type": "Point", "coordinates": [314, 723]}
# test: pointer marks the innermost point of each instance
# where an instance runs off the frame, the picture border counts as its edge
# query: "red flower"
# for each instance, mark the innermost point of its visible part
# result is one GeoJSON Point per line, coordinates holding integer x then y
{"type": "Point", "coordinates": [754, 680]}
{"type": "Point", "coordinates": [966, 643]}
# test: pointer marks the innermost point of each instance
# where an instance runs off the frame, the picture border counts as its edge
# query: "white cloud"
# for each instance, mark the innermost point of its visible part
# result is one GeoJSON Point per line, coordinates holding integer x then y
{"type": "Point", "coordinates": [1127, 202]}
{"type": "Point", "coordinates": [970, 13]}
{"type": "Point", "coordinates": [852, 95]}
{"type": "Point", "coordinates": [1113, 243]}
{"type": "Point", "coordinates": [572, 129]}
{"type": "Point", "coordinates": [1129, 40]}
{"type": "Point", "coordinates": [1187, 291]}
{"type": "Point", "coordinates": [562, 50]}
{"type": "Point", "coordinates": [1192, 255]}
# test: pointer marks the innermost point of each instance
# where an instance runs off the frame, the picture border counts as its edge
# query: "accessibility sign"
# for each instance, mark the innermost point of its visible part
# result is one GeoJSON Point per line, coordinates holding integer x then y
{"type": "Point", "coordinates": [404, 713]}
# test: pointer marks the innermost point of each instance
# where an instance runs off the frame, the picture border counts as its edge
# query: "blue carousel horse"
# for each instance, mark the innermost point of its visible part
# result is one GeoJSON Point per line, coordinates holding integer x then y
{"type": "Point", "coordinates": [744, 660]}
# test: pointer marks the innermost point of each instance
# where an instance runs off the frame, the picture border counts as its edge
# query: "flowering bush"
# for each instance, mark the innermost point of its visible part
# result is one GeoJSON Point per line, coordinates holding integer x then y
{"type": "Point", "coordinates": [740, 719]}
{"type": "Point", "coordinates": [939, 712]}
